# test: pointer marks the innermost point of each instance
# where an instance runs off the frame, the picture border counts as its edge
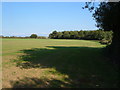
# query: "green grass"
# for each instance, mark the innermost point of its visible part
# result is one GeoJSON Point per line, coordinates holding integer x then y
{"type": "Point", "coordinates": [57, 63]}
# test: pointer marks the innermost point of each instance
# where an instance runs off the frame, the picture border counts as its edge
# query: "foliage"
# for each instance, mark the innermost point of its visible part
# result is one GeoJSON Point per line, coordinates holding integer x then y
{"type": "Point", "coordinates": [85, 35]}
{"type": "Point", "coordinates": [107, 16]}
{"type": "Point", "coordinates": [33, 36]}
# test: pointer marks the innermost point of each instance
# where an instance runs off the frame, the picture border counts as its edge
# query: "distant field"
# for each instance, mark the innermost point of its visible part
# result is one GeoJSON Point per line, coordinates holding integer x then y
{"type": "Point", "coordinates": [57, 63]}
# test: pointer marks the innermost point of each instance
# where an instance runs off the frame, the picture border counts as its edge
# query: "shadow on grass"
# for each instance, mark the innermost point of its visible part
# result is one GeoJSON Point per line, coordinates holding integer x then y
{"type": "Point", "coordinates": [38, 83]}
{"type": "Point", "coordinates": [85, 66]}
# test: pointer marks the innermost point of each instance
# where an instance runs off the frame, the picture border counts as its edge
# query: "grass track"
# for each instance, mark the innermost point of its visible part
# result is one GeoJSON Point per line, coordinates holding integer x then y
{"type": "Point", "coordinates": [56, 63]}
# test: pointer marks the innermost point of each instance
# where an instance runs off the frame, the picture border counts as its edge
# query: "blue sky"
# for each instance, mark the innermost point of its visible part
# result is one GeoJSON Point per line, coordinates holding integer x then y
{"type": "Point", "coordinates": [41, 18]}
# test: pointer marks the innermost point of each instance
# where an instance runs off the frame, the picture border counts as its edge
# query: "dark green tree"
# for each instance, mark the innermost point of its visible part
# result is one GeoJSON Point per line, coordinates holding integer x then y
{"type": "Point", "coordinates": [76, 36]}
{"type": "Point", "coordinates": [53, 35]}
{"type": "Point", "coordinates": [59, 35]}
{"type": "Point", "coordinates": [81, 34]}
{"type": "Point", "coordinates": [66, 35]}
{"type": "Point", "coordinates": [107, 16]}
{"type": "Point", "coordinates": [33, 36]}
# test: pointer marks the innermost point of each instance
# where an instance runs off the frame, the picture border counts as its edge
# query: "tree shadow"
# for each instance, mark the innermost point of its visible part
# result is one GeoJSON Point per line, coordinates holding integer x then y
{"type": "Point", "coordinates": [85, 66]}
{"type": "Point", "coordinates": [38, 83]}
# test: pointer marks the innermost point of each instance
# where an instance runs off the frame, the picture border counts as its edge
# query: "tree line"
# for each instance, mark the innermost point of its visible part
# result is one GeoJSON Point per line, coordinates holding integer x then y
{"type": "Point", "coordinates": [84, 35]}
{"type": "Point", "coordinates": [35, 36]}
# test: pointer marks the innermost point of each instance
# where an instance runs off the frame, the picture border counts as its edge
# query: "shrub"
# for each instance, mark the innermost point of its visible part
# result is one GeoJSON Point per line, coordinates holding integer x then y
{"type": "Point", "coordinates": [33, 36]}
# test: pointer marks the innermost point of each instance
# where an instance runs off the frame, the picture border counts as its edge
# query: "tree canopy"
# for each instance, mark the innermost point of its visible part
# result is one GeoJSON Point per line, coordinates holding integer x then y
{"type": "Point", "coordinates": [85, 35]}
{"type": "Point", "coordinates": [33, 36]}
{"type": "Point", "coordinates": [107, 16]}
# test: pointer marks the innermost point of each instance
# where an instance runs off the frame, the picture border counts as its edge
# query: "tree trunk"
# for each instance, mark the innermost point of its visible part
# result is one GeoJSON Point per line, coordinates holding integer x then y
{"type": "Point", "coordinates": [115, 46]}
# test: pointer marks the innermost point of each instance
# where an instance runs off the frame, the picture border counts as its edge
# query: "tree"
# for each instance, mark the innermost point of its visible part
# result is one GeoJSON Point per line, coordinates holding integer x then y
{"type": "Point", "coordinates": [80, 34]}
{"type": "Point", "coordinates": [76, 36]}
{"type": "Point", "coordinates": [66, 35]}
{"type": "Point", "coordinates": [59, 35]}
{"type": "Point", "coordinates": [54, 35]}
{"type": "Point", "coordinates": [33, 36]}
{"type": "Point", "coordinates": [107, 16]}
{"type": "Point", "coordinates": [86, 35]}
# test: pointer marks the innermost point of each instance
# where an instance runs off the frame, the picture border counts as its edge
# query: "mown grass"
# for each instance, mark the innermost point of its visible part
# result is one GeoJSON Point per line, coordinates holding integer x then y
{"type": "Point", "coordinates": [46, 63]}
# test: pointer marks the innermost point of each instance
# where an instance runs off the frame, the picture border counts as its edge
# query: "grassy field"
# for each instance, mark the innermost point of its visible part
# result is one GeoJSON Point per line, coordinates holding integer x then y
{"type": "Point", "coordinates": [46, 63]}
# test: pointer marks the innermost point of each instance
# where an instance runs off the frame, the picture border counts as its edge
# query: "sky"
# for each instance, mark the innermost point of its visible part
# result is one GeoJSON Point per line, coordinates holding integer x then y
{"type": "Point", "coordinates": [41, 18]}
